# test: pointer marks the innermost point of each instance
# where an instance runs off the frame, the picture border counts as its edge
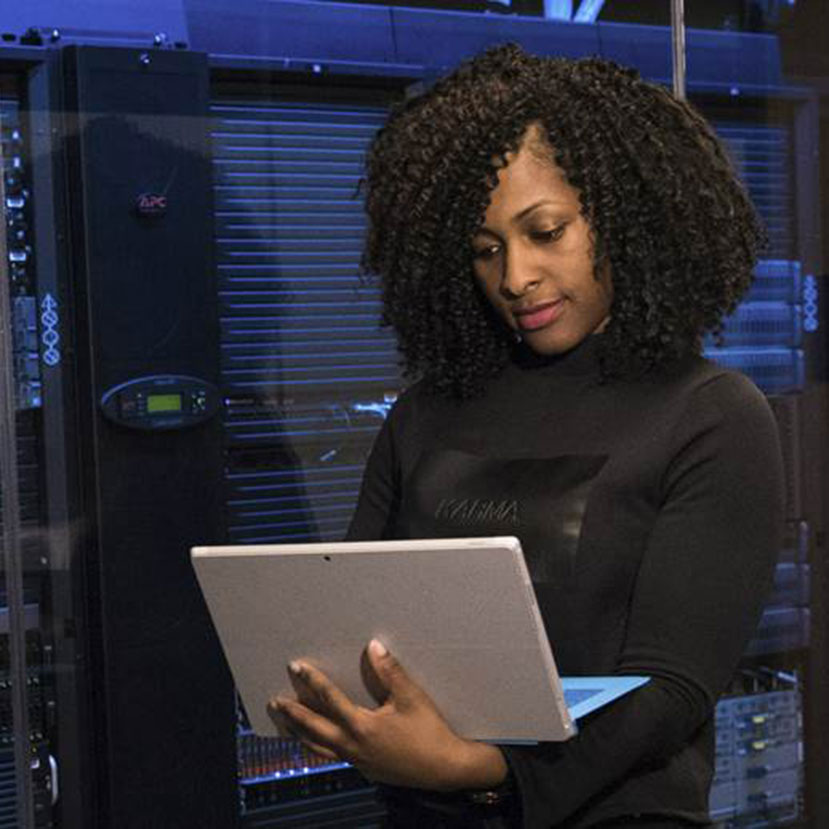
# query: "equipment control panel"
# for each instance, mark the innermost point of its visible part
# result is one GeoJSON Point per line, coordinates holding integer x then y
{"type": "Point", "coordinates": [162, 401]}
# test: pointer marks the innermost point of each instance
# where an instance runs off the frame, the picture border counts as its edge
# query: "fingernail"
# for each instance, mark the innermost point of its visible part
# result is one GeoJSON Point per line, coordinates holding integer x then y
{"type": "Point", "coordinates": [295, 668]}
{"type": "Point", "coordinates": [377, 647]}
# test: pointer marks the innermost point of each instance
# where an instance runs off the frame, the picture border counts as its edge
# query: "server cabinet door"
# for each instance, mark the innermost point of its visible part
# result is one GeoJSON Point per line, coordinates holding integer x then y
{"type": "Point", "coordinates": [146, 338]}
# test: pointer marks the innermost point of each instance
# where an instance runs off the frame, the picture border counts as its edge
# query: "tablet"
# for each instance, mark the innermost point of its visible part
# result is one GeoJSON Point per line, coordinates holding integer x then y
{"type": "Point", "coordinates": [460, 614]}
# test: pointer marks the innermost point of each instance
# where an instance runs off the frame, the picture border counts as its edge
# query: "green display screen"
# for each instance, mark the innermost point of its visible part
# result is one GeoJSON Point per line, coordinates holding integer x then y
{"type": "Point", "coordinates": [163, 403]}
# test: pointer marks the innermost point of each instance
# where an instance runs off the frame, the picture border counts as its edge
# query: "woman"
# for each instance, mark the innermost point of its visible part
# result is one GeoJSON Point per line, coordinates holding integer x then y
{"type": "Point", "coordinates": [554, 238]}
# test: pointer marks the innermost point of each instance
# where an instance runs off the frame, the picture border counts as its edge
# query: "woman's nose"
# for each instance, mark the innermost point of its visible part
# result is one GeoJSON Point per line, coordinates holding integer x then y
{"type": "Point", "coordinates": [519, 276]}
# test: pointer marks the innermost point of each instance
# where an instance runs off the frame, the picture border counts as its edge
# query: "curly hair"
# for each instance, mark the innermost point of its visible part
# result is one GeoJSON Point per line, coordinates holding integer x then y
{"type": "Point", "coordinates": [665, 207]}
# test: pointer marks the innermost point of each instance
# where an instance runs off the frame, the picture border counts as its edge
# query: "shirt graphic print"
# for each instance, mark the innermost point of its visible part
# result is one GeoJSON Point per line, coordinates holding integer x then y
{"type": "Point", "coordinates": [542, 501]}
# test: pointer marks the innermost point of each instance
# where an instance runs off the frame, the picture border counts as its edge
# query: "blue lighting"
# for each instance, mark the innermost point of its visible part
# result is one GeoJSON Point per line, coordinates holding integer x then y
{"type": "Point", "coordinates": [304, 771]}
{"type": "Point", "coordinates": [378, 408]}
{"type": "Point", "coordinates": [588, 11]}
{"type": "Point", "coordinates": [558, 9]}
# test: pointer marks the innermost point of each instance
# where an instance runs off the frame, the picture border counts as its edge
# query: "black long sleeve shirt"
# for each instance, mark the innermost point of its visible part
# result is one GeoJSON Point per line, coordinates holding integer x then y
{"type": "Point", "coordinates": [650, 514]}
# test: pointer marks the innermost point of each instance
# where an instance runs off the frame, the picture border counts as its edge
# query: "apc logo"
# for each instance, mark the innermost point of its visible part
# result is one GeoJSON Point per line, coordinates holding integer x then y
{"type": "Point", "coordinates": [151, 204]}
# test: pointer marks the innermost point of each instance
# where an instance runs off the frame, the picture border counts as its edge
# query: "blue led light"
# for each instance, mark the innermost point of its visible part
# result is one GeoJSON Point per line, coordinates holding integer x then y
{"type": "Point", "coordinates": [810, 303]}
{"type": "Point", "coordinates": [381, 409]}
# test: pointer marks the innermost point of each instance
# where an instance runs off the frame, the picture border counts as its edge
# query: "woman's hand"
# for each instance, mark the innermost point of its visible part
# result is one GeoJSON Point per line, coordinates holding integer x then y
{"type": "Point", "coordinates": [404, 741]}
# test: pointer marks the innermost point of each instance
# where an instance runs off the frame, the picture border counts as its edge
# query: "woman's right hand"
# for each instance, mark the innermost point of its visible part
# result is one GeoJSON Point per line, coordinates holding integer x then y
{"type": "Point", "coordinates": [405, 741]}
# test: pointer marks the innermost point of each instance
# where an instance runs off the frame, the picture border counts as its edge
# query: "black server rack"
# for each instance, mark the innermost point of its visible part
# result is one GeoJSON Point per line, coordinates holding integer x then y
{"type": "Point", "coordinates": [108, 218]}
{"type": "Point", "coordinates": [145, 327]}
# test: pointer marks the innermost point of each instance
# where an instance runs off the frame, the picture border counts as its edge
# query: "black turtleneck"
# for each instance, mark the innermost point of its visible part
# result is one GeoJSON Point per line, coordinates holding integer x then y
{"type": "Point", "coordinates": [650, 513]}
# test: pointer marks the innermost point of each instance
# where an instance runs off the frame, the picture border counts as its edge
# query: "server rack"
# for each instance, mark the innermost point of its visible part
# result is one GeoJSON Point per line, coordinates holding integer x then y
{"type": "Point", "coordinates": [145, 324]}
{"type": "Point", "coordinates": [117, 324]}
{"type": "Point", "coordinates": [27, 723]}
{"type": "Point", "coordinates": [308, 375]}
{"type": "Point", "coordinates": [766, 725]}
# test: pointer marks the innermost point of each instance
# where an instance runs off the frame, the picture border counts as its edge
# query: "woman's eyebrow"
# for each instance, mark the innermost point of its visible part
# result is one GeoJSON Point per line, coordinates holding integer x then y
{"type": "Point", "coordinates": [524, 213]}
{"type": "Point", "coordinates": [540, 203]}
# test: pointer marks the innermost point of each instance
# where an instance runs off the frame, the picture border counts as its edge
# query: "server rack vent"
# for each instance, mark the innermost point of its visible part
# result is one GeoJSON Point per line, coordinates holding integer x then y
{"type": "Point", "coordinates": [297, 318]}
{"type": "Point", "coordinates": [762, 156]}
{"type": "Point", "coordinates": [307, 373]}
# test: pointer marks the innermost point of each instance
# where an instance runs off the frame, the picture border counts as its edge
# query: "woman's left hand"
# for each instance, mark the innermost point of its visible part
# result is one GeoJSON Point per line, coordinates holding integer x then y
{"type": "Point", "coordinates": [404, 741]}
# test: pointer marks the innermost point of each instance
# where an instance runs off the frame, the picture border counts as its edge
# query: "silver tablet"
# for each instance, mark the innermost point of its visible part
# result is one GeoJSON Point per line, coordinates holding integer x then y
{"type": "Point", "coordinates": [460, 614]}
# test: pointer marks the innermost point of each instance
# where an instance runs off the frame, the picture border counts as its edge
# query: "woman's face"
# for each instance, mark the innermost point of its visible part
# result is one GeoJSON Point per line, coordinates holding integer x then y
{"type": "Point", "coordinates": [533, 257]}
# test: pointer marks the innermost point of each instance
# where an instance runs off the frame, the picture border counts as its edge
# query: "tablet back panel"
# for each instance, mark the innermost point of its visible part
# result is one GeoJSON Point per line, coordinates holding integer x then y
{"type": "Point", "coordinates": [460, 614]}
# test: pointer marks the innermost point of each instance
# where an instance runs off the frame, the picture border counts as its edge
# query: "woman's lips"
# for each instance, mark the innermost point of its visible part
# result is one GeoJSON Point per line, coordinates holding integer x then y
{"type": "Point", "coordinates": [538, 316]}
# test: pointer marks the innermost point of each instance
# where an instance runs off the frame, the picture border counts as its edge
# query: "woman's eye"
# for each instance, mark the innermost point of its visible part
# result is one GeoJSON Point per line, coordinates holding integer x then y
{"type": "Point", "coordinates": [551, 235]}
{"type": "Point", "coordinates": [486, 253]}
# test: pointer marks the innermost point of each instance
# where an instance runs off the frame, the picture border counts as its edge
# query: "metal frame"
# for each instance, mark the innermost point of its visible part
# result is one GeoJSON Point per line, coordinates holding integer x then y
{"type": "Point", "coordinates": [678, 47]}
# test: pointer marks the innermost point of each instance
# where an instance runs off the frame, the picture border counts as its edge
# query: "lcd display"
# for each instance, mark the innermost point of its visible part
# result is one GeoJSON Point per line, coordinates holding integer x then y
{"type": "Point", "coordinates": [163, 403]}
